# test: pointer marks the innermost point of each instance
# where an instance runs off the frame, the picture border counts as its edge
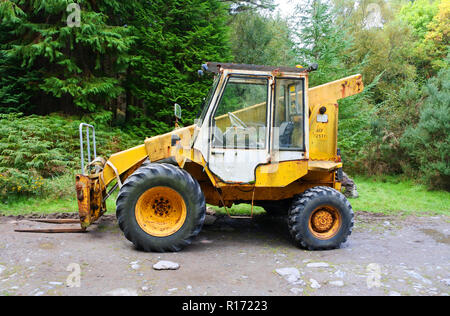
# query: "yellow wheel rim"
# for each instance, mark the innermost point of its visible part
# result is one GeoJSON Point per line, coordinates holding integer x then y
{"type": "Point", "coordinates": [325, 222]}
{"type": "Point", "coordinates": [161, 211]}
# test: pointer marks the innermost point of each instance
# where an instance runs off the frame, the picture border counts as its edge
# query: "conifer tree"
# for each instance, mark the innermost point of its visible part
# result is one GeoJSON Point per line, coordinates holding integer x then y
{"type": "Point", "coordinates": [321, 40]}
{"type": "Point", "coordinates": [237, 6]}
{"type": "Point", "coordinates": [66, 68]}
{"type": "Point", "coordinates": [261, 40]}
{"type": "Point", "coordinates": [174, 38]}
{"type": "Point", "coordinates": [428, 143]}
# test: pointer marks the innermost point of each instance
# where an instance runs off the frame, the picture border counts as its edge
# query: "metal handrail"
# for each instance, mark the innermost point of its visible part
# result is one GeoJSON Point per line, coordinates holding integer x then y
{"type": "Point", "coordinates": [88, 143]}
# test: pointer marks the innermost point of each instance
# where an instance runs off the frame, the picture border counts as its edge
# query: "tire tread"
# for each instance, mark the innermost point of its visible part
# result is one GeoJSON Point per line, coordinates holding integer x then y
{"type": "Point", "coordinates": [300, 203]}
{"type": "Point", "coordinates": [132, 183]}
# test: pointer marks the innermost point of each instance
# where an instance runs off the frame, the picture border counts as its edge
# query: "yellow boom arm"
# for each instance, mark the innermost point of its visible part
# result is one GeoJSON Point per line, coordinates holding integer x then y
{"type": "Point", "coordinates": [323, 128]}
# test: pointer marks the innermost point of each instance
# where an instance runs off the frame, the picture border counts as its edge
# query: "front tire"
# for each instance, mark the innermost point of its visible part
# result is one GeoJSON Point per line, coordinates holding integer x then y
{"type": "Point", "coordinates": [320, 219]}
{"type": "Point", "coordinates": [160, 208]}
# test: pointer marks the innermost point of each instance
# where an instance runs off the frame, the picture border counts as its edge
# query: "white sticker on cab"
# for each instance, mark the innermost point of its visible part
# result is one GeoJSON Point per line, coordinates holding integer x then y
{"type": "Point", "coordinates": [322, 118]}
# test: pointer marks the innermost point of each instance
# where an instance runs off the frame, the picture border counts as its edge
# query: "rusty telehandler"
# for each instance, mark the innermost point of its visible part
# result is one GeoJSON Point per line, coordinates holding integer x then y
{"type": "Point", "coordinates": [264, 138]}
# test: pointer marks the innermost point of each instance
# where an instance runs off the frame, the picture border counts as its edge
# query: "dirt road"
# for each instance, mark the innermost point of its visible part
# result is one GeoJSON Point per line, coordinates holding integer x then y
{"type": "Point", "coordinates": [384, 256]}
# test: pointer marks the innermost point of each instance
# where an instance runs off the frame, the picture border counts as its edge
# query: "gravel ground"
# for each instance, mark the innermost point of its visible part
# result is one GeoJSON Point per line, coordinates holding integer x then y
{"type": "Point", "coordinates": [385, 255]}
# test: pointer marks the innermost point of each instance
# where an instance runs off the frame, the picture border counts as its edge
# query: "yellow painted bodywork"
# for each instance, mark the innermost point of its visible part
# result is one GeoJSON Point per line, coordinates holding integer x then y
{"type": "Point", "coordinates": [122, 162]}
{"type": "Point", "coordinates": [160, 147]}
{"type": "Point", "coordinates": [322, 144]}
{"type": "Point", "coordinates": [323, 136]}
{"type": "Point", "coordinates": [324, 166]}
{"type": "Point", "coordinates": [280, 174]}
{"type": "Point", "coordinates": [161, 211]}
{"type": "Point", "coordinates": [331, 92]}
{"type": "Point", "coordinates": [90, 192]}
{"type": "Point", "coordinates": [276, 181]}
{"type": "Point", "coordinates": [155, 148]}
{"type": "Point", "coordinates": [255, 113]}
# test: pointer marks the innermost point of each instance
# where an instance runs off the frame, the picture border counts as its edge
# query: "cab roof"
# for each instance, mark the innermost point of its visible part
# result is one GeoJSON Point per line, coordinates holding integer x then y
{"type": "Point", "coordinates": [215, 68]}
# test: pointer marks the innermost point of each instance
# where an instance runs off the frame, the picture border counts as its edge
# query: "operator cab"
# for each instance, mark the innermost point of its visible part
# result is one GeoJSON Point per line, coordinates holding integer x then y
{"type": "Point", "coordinates": [254, 115]}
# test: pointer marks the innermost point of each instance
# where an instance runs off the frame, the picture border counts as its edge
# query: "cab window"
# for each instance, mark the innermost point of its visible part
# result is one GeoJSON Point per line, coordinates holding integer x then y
{"type": "Point", "coordinates": [241, 117]}
{"type": "Point", "coordinates": [289, 115]}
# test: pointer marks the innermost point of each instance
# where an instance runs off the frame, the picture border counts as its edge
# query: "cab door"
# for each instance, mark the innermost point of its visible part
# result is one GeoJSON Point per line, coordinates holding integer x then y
{"type": "Point", "coordinates": [290, 120]}
{"type": "Point", "coordinates": [239, 133]}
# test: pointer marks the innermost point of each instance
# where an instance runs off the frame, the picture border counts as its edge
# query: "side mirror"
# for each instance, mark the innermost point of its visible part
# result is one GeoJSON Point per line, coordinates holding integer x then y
{"type": "Point", "coordinates": [313, 67]}
{"type": "Point", "coordinates": [177, 110]}
{"type": "Point", "coordinates": [202, 71]}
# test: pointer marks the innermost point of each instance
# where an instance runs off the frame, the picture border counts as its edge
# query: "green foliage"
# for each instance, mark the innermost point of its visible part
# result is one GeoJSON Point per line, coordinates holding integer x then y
{"type": "Point", "coordinates": [383, 153]}
{"type": "Point", "coordinates": [402, 53]}
{"type": "Point", "coordinates": [13, 181]}
{"type": "Point", "coordinates": [387, 48]}
{"type": "Point", "coordinates": [238, 6]}
{"type": "Point", "coordinates": [398, 195]}
{"type": "Point", "coordinates": [419, 14]}
{"type": "Point", "coordinates": [436, 45]}
{"type": "Point", "coordinates": [321, 40]}
{"type": "Point", "coordinates": [355, 117]}
{"type": "Point", "coordinates": [175, 38]}
{"type": "Point", "coordinates": [428, 143]}
{"type": "Point", "coordinates": [76, 65]}
{"type": "Point", "coordinates": [261, 40]}
{"type": "Point", "coordinates": [15, 90]}
{"type": "Point", "coordinates": [354, 131]}
{"type": "Point", "coordinates": [26, 144]}
{"type": "Point", "coordinates": [429, 22]}
{"type": "Point", "coordinates": [35, 148]}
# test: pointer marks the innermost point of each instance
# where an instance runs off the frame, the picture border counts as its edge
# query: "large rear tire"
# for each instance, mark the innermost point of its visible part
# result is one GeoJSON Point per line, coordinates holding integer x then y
{"type": "Point", "coordinates": [320, 219]}
{"type": "Point", "coordinates": [160, 208]}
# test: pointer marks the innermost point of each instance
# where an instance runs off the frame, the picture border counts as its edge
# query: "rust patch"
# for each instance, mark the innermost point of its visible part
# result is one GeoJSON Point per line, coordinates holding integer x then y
{"type": "Point", "coordinates": [343, 89]}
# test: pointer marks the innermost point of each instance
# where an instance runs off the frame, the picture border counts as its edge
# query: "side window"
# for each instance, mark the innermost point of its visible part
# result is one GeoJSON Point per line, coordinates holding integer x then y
{"type": "Point", "coordinates": [241, 116]}
{"type": "Point", "coordinates": [289, 114]}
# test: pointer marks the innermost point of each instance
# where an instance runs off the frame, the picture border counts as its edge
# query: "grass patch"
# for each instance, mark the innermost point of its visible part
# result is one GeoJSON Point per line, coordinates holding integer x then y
{"type": "Point", "coordinates": [239, 210]}
{"type": "Point", "coordinates": [389, 195]}
{"type": "Point", "coordinates": [393, 195]}
{"type": "Point", "coordinates": [36, 205]}
{"type": "Point", "coordinates": [58, 196]}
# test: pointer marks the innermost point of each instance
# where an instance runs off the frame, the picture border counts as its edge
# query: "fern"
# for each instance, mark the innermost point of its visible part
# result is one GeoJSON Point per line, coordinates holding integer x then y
{"type": "Point", "coordinates": [36, 148]}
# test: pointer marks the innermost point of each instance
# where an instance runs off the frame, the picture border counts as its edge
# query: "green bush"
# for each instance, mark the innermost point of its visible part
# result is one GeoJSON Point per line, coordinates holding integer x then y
{"type": "Point", "coordinates": [428, 143]}
{"type": "Point", "coordinates": [13, 181]}
{"type": "Point", "coordinates": [35, 149]}
{"type": "Point", "coordinates": [355, 116]}
{"type": "Point", "coordinates": [383, 153]}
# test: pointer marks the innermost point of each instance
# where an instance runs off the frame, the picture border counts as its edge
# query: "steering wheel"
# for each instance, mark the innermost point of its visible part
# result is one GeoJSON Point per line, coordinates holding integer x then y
{"type": "Point", "coordinates": [236, 121]}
